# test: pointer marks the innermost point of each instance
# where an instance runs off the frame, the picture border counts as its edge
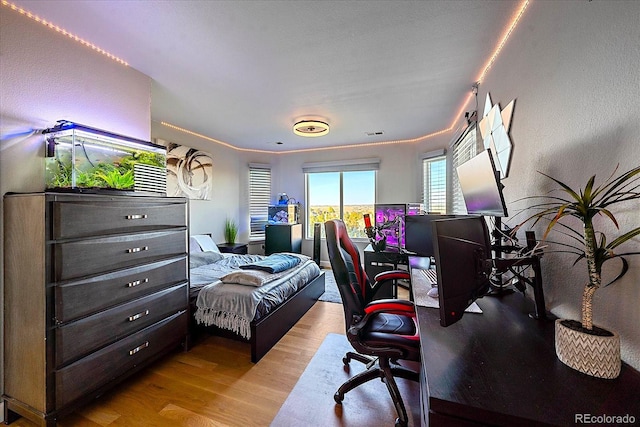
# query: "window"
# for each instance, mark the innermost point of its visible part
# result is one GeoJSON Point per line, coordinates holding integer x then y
{"type": "Point", "coordinates": [259, 197]}
{"type": "Point", "coordinates": [337, 190]}
{"type": "Point", "coordinates": [465, 148]}
{"type": "Point", "coordinates": [434, 182]}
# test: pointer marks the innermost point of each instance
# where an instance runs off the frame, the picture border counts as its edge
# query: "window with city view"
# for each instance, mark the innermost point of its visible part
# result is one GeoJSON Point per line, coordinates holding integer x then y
{"type": "Point", "coordinates": [340, 195]}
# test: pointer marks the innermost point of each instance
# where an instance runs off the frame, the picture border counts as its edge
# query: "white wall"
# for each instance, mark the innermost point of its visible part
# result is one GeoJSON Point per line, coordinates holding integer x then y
{"type": "Point", "coordinates": [45, 77]}
{"type": "Point", "coordinates": [229, 186]}
{"type": "Point", "coordinates": [398, 179]}
{"type": "Point", "coordinates": [573, 69]}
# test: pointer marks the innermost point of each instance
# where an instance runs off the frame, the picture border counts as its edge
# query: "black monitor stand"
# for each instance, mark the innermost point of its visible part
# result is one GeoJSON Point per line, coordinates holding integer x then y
{"type": "Point", "coordinates": [503, 265]}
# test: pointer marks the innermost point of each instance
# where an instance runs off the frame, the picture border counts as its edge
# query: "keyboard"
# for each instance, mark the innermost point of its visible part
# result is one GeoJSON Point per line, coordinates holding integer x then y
{"type": "Point", "coordinates": [431, 275]}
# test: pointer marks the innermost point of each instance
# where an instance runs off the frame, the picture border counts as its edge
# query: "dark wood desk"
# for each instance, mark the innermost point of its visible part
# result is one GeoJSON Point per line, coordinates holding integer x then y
{"type": "Point", "coordinates": [378, 262]}
{"type": "Point", "coordinates": [500, 368]}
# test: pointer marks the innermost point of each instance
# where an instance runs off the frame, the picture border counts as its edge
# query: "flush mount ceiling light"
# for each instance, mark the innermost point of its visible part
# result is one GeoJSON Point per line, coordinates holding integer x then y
{"type": "Point", "coordinates": [311, 128]}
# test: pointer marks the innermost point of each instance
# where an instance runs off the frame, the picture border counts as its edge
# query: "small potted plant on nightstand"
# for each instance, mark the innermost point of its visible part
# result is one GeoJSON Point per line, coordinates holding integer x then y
{"type": "Point", "coordinates": [230, 231]}
{"type": "Point", "coordinates": [581, 345]}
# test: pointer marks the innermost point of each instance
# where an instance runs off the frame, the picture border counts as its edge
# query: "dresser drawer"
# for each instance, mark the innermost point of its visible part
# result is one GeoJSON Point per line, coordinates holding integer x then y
{"type": "Point", "coordinates": [81, 337]}
{"type": "Point", "coordinates": [75, 219]}
{"type": "Point", "coordinates": [87, 296]}
{"type": "Point", "coordinates": [94, 256]}
{"type": "Point", "coordinates": [97, 369]}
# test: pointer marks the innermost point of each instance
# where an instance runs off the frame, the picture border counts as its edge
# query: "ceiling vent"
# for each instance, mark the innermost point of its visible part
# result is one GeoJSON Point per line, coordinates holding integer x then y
{"type": "Point", "coordinates": [374, 133]}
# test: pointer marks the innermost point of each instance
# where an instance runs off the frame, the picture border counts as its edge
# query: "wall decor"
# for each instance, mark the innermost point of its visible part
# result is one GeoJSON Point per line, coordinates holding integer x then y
{"type": "Point", "coordinates": [494, 128]}
{"type": "Point", "coordinates": [189, 171]}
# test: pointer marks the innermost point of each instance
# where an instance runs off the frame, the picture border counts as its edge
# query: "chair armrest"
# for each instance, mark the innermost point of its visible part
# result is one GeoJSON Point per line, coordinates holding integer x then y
{"type": "Point", "coordinates": [389, 305]}
{"type": "Point", "coordinates": [386, 276]}
{"type": "Point", "coordinates": [391, 275]}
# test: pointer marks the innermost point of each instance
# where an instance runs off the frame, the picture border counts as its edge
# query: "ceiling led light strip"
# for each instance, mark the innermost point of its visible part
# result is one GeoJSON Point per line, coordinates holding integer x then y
{"type": "Point", "coordinates": [513, 24]}
{"type": "Point", "coordinates": [62, 31]}
{"type": "Point", "coordinates": [507, 34]}
{"type": "Point", "coordinates": [311, 128]}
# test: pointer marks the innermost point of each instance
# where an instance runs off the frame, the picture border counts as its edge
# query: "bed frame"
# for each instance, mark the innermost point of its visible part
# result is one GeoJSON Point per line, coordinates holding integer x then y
{"type": "Point", "coordinates": [268, 330]}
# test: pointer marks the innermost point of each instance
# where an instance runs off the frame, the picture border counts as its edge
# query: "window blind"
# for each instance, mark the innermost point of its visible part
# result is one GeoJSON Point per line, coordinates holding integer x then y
{"type": "Point", "coordinates": [434, 181]}
{"type": "Point", "coordinates": [259, 197]}
{"type": "Point", "coordinates": [465, 148]}
{"type": "Point", "coordinates": [342, 166]}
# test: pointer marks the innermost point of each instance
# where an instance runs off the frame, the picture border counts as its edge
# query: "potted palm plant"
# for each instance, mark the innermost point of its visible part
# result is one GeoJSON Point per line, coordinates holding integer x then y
{"type": "Point", "coordinates": [581, 345]}
{"type": "Point", "coordinates": [230, 231]}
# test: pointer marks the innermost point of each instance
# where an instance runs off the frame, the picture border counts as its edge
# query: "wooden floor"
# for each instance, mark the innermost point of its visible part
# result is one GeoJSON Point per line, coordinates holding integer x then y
{"type": "Point", "coordinates": [215, 383]}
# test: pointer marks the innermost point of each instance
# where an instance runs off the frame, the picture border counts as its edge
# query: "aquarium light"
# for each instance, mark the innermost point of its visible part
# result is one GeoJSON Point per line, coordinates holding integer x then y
{"type": "Point", "coordinates": [97, 147]}
{"type": "Point", "coordinates": [75, 130]}
{"type": "Point", "coordinates": [63, 32]}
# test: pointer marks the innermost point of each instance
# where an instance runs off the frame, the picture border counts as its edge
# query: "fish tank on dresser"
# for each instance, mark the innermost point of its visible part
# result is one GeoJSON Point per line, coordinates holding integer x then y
{"type": "Point", "coordinates": [283, 214]}
{"type": "Point", "coordinates": [84, 159]}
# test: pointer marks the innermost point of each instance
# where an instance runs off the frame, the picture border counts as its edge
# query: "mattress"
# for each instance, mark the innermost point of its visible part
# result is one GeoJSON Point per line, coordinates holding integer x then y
{"type": "Point", "coordinates": [233, 306]}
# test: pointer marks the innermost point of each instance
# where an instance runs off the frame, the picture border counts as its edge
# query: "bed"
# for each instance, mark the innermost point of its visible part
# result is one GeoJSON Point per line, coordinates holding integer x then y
{"type": "Point", "coordinates": [237, 297]}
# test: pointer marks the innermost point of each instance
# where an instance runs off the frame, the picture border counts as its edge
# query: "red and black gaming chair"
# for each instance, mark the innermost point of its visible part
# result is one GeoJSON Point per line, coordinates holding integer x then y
{"type": "Point", "coordinates": [385, 329]}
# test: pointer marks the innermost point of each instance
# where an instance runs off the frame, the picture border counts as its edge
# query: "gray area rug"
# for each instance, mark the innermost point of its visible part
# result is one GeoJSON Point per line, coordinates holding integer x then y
{"type": "Point", "coordinates": [331, 293]}
{"type": "Point", "coordinates": [311, 403]}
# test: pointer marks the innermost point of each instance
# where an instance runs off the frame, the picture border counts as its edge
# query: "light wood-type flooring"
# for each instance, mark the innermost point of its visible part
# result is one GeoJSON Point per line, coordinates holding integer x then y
{"type": "Point", "coordinates": [215, 383]}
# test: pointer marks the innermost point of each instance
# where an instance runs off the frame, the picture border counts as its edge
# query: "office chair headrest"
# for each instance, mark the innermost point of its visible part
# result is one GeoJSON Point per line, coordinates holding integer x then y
{"type": "Point", "coordinates": [345, 242]}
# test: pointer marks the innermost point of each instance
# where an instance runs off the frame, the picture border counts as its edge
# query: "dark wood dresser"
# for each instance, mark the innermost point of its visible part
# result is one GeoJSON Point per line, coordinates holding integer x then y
{"type": "Point", "coordinates": [95, 288]}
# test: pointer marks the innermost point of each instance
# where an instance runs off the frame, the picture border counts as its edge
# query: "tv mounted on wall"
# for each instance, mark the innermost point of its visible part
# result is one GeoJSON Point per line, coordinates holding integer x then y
{"type": "Point", "coordinates": [481, 187]}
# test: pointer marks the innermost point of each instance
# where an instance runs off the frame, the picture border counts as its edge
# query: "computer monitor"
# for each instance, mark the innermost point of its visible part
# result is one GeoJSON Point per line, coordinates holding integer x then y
{"type": "Point", "coordinates": [418, 233]}
{"type": "Point", "coordinates": [391, 216]}
{"type": "Point", "coordinates": [481, 187]}
{"type": "Point", "coordinates": [463, 264]}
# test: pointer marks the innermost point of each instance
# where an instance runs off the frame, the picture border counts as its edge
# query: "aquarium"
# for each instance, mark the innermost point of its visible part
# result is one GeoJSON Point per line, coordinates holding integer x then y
{"type": "Point", "coordinates": [283, 214]}
{"type": "Point", "coordinates": [82, 158]}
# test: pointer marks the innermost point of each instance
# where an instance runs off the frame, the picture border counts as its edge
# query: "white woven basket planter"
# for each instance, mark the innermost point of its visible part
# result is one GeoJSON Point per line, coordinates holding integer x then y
{"type": "Point", "coordinates": [598, 356]}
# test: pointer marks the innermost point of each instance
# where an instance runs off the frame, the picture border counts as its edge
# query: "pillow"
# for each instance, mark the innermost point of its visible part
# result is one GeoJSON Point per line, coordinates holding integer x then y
{"type": "Point", "coordinates": [194, 246]}
{"type": "Point", "coordinates": [206, 243]}
{"type": "Point", "coordinates": [199, 259]}
{"type": "Point", "coordinates": [250, 277]}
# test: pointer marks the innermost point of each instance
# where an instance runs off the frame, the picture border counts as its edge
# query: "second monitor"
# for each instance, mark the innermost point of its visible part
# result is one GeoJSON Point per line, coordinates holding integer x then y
{"type": "Point", "coordinates": [418, 233]}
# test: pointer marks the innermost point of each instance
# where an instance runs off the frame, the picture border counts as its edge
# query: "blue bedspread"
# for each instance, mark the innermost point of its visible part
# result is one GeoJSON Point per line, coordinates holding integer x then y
{"type": "Point", "coordinates": [274, 263]}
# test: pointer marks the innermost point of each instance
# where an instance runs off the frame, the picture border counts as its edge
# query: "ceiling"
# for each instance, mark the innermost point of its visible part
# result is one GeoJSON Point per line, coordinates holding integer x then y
{"type": "Point", "coordinates": [244, 72]}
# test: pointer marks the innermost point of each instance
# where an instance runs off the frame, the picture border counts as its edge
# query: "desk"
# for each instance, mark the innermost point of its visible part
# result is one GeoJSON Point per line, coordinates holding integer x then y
{"type": "Point", "coordinates": [500, 368]}
{"type": "Point", "coordinates": [378, 262]}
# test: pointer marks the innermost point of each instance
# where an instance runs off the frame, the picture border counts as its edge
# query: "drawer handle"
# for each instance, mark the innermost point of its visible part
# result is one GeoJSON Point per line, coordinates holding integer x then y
{"type": "Point", "coordinates": [138, 348]}
{"type": "Point", "coordinates": [136, 216]}
{"type": "Point", "coordinates": [139, 315]}
{"type": "Point", "coordinates": [134, 250]}
{"type": "Point", "coordinates": [137, 282]}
